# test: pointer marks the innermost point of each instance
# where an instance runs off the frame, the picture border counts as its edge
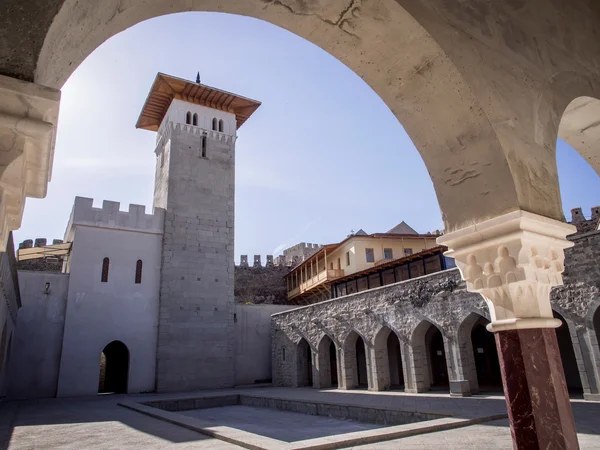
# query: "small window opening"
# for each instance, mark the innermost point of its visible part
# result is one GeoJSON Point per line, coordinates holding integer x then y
{"type": "Point", "coordinates": [195, 120]}
{"type": "Point", "coordinates": [347, 258]}
{"type": "Point", "coordinates": [283, 353]}
{"type": "Point", "coordinates": [138, 272]}
{"type": "Point", "coordinates": [214, 124]}
{"type": "Point", "coordinates": [203, 147]}
{"type": "Point", "coordinates": [369, 255]}
{"type": "Point", "coordinates": [105, 263]}
{"type": "Point", "coordinates": [188, 118]}
{"type": "Point", "coordinates": [221, 125]}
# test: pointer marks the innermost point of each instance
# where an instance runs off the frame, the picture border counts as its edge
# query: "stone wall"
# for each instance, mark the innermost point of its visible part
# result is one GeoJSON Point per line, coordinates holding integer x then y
{"type": "Point", "coordinates": [258, 285]}
{"type": "Point", "coordinates": [410, 309]}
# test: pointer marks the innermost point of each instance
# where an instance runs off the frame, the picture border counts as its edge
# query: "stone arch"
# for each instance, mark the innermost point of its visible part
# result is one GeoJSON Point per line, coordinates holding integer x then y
{"type": "Point", "coordinates": [355, 361]}
{"type": "Point", "coordinates": [114, 369]}
{"type": "Point", "coordinates": [428, 366]}
{"type": "Point", "coordinates": [304, 368]}
{"type": "Point", "coordinates": [327, 363]}
{"type": "Point", "coordinates": [388, 362]}
{"type": "Point", "coordinates": [419, 88]}
{"type": "Point", "coordinates": [478, 354]}
{"type": "Point", "coordinates": [569, 108]}
{"type": "Point", "coordinates": [564, 336]}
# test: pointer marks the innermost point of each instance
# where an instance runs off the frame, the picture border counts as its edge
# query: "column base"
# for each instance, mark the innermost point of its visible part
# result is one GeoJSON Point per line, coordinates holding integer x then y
{"type": "Point", "coordinates": [535, 389]}
{"type": "Point", "coordinates": [592, 397]}
{"type": "Point", "coordinates": [460, 388]}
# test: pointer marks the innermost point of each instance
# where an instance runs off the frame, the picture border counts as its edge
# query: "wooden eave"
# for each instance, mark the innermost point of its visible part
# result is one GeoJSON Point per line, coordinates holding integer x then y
{"type": "Point", "coordinates": [166, 88]}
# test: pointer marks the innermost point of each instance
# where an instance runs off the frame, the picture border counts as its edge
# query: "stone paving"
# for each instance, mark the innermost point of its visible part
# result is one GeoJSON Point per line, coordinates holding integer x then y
{"type": "Point", "coordinates": [98, 422]}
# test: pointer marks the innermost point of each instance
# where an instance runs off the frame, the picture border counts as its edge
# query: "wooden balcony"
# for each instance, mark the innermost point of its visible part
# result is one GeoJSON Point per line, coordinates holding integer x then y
{"type": "Point", "coordinates": [316, 285]}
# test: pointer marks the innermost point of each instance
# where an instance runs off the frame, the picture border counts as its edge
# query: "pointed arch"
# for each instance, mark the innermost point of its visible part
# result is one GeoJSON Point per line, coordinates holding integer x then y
{"type": "Point", "coordinates": [214, 124]}
{"type": "Point", "coordinates": [388, 363]}
{"type": "Point", "coordinates": [567, 355]}
{"type": "Point", "coordinates": [304, 369]}
{"type": "Point", "coordinates": [428, 357]}
{"type": "Point", "coordinates": [188, 118]}
{"type": "Point", "coordinates": [327, 363]}
{"type": "Point", "coordinates": [355, 362]}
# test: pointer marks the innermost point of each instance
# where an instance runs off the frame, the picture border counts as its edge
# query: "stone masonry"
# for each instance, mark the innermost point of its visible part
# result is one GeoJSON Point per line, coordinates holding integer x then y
{"type": "Point", "coordinates": [195, 338]}
{"type": "Point", "coordinates": [410, 309]}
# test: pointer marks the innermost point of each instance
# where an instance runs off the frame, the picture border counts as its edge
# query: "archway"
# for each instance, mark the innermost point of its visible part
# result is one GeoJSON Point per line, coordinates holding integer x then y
{"type": "Point", "coordinates": [304, 374]}
{"type": "Point", "coordinates": [485, 354]}
{"type": "Point", "coordinates": [327, 363]}
{"type": "Point", "coordinates": [438, 370]}
{"type": "Point", "coordinates": [114, 369]}
{"type": "Point", "coordinates": [567, 355]}
{"type": "Point", "coordinates": [388, 360]}
{"type": "Point", "coordinates": [354, 362]}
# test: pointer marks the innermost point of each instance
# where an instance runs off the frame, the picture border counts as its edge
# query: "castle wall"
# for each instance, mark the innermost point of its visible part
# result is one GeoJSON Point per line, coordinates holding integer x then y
{"type": "Point", "coordinates": [253, 342]}
{"type": "Point", "coordinates": [411, 308]}
{"type": "Point", "coordinates": [39, 335]}
{"type": "Point", "coordinates": [196, 343]}
{"type": "Point", "coordinates": [261, 285]}
{"type": "Point", "coordinates": [99, 312]}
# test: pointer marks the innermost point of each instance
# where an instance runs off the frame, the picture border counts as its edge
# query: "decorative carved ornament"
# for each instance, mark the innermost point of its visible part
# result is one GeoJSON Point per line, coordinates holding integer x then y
{"type": "Point", "coordinates": [28, 116]}
{"type": "Point", "coordinates": [513, 261]}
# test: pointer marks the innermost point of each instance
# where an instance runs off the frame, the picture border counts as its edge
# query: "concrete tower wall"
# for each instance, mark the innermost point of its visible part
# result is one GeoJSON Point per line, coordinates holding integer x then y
{"type": "Point", "coordinates": [196, 341]}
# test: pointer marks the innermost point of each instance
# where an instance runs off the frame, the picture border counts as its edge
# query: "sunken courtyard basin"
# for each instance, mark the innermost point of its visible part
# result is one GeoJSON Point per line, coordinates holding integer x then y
{"type": "Point", "coordinates": [287, 420]}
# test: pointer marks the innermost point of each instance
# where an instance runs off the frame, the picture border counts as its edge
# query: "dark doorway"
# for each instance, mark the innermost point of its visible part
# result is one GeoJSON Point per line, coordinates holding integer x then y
{"type": "Point", "coordinates": [114, 369]}
{"type": "Point", "coordinates": [437, 357]}
{"type": "Point", "coordinates": [333, 364]}
{"type": "Point", "coordinates": [304, 364]}
{"type": "Point", "coordinates": [596, 322]}
{"type": "Point", "coordinates": [395, 362]}
{"type": "Point", "coordinates": [567, 355]}
{"type": "Point", "coordinates": [485, 354]}
{"type": "Point", "coordinates": [361, 363]}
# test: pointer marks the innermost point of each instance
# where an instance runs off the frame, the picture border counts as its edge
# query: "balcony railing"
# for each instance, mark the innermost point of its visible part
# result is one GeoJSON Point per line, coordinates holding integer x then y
{"type": "Point", "coordinates": [322, 277]}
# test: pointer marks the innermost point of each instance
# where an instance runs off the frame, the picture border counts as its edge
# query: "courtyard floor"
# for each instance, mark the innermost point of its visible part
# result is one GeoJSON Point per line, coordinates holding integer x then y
{"type": "Point", "coordinates": [98, 422]}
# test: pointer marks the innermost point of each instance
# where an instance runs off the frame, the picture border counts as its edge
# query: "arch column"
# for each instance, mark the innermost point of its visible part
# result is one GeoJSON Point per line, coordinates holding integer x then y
{"type": "Point", "coordinates": [589, 351]}
{"type": "Point", "coordinates": [513, 261]}
{"type": "Point", "coordinates": [458, 368]}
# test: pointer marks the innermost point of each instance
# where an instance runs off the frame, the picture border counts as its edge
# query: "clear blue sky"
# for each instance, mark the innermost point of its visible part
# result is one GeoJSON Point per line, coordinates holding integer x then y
{"type": "Point", "coordinates": [320, 157]}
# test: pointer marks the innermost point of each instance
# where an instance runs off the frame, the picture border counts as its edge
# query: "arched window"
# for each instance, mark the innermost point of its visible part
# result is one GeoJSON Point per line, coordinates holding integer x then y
{"type": "Point", "coordinates": [214, 124]}
{"type": "Point", "coordinates": [138, 272]}
{"type": "Point", "coordinates": [195, 120]}
{"type": "Point", "coordinates": [105, 263]}
{"type": "Point", "coordinates": [188, 118]}
{"type": "Point", "coordinates": [221, 125]}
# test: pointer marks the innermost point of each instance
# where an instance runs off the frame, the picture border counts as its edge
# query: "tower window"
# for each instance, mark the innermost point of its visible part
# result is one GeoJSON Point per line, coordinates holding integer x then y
{"type": "Point", "coordinates": [195, 120]}
{"type": "Point", "coordinates": [188, 118]}
{"type": "Point", "coordinates": [203, 147]}
{"type": "Point", "coordinates": [105, 263]}
{"type": "Point", "coordinates": [221, 125]}
{"type": "Point", "coordinates": [138, 271]}
{"type": "Point", "coordinates": [214, 124]}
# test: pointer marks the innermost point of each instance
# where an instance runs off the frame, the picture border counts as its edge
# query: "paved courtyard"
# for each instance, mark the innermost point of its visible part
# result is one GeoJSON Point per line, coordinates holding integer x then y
{"type": "Point", "coordinates": [98, 422]}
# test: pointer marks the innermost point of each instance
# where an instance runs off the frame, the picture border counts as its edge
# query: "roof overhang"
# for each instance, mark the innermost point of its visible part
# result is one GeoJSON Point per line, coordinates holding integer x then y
{"type": "Point", "coordinates": [167, 88]}
{"type": "Point", "coordinates": [24, 254]}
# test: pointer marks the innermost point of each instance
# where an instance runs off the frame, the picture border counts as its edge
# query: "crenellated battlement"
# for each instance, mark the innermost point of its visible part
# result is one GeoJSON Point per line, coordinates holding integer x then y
{"type": "Point", "coordinates": [584, 224]}
{"type": "Point", "coordinates": [257, 262]}
{"type": "Point", "coordinates": [110, 216]}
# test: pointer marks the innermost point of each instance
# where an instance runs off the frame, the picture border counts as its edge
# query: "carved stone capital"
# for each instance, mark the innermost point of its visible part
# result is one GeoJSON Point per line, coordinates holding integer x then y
{"type": "Point", "coordinates": [513, 261]}
{"type": "Point", "coordinates": [28, 117]}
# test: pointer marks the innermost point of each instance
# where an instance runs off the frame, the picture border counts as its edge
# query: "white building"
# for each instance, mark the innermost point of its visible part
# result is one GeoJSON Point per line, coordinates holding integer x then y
{"type": "Point", "coordinates": [145, 301]}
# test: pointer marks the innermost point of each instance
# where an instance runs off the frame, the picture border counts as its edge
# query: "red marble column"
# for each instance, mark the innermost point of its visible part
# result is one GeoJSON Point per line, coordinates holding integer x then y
{"type": "Point", "coordinates": [536, 391]}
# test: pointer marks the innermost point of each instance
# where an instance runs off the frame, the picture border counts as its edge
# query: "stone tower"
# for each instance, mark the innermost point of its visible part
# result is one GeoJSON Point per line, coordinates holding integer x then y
{"type": "Point", "coordinates": [195, 153]}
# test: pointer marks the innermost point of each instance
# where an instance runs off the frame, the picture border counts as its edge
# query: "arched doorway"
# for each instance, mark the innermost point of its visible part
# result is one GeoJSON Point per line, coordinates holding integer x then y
{"type": "Point", "coordinates": [361, 363]}
{"type": "Point", "coordinates": [485, 354]}
{"type": "Point", "coordinates": [327, 363]}
{"type": "Point", "coordinates": [114, 369]}
{"type": "Point", "coordinates": [438, 370]}
{"type": "Point", "coordinates": [395, 362]}
{"type": "Point", "coordinates": [304, 364]}
{"type": "Point", "coordinates": [388, 361]}
{"type": "Point", "coordinates": [567, 355]}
